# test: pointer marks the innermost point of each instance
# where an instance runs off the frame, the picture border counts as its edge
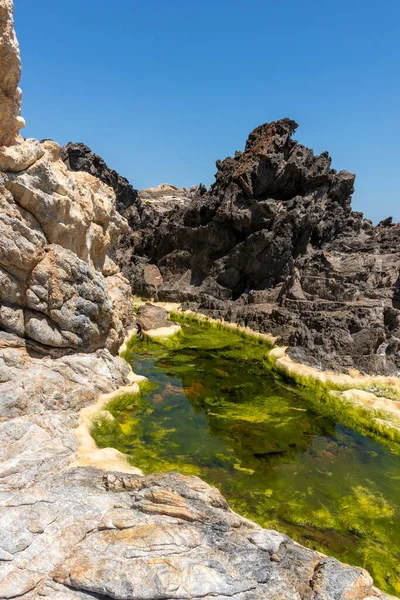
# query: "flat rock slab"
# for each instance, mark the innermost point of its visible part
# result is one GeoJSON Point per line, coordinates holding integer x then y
{"type": "Point", "coordinates": [89, 534]}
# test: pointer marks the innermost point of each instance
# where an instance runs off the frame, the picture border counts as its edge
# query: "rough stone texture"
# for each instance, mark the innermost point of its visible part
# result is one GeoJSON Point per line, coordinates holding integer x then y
{"type": "Point", "coordinates": [39, 400]}
{"type": "Point", "coordinates": [81, 533]}
{"type": "Point", "coordinates": [78, 533]}
{"type": "Point", "coordinates": [152, 317]}
{"type": "Point", "coordinates": [10, 71]}
{"type": "Point", "coordinates": [79, 157]}
{"type": "Point", "coordinates": [20, 156]}
{"type": "Point", "coordinates": [59, 285]}
{"type": "Point", "coordinates": [274, 245]}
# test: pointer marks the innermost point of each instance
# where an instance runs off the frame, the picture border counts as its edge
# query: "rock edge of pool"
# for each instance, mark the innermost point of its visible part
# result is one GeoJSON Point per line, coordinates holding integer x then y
{"type": "Point", "coordinates": [344, 596]}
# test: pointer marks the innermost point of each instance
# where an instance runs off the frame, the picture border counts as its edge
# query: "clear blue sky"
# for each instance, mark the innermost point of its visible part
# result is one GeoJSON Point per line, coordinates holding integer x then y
{"type": "Point", "coordinates": [163, 88]}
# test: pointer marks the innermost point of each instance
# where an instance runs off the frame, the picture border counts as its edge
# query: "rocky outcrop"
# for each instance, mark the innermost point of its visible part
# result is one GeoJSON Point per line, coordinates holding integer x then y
{"type": "Point", "coordinates": [73, 532]}
{"type": "Point", "coordinates": [79, 157]}
{"type": "Point", "coordinates": [59, 288]}
{"type": "Point", "coordinates": [274, 245]}
{"type": "Point", "coordinates": [10, 71]}
{"type": "Point", "coordinates": [161, 536]}
{"type": "Point", "coordinates": [70, 532]}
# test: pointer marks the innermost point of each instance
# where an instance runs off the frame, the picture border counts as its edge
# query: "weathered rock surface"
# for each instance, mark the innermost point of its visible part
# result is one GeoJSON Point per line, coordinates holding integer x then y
{"type": "Point", "coordinates": [150, 316]}
{"type": "Point", "coordinates": [59, 286]}
{"type": "Point", "coordinates": [79, 157]}
{"type": "Point", "coordinates": [275, 245]}
{"type": "Point", "coordinates": [10, 71]}
{"type": "Point", "coordinates": [82, 533]}
{"type": "Point", "coordinates": [79, 533]}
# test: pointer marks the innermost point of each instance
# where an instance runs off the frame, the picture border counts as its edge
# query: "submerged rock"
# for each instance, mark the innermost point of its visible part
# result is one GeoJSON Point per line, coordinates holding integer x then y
{"type": "Point", "coordinates": [274, 244]}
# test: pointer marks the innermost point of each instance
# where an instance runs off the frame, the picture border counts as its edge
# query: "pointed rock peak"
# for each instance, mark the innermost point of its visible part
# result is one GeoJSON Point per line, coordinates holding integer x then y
{"type": "Point", "coordinates": [276, 133]}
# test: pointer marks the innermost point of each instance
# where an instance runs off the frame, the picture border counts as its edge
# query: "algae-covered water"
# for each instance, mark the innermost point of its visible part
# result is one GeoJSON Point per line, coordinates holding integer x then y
{"type": "Point", "coordinates": [214, 409]}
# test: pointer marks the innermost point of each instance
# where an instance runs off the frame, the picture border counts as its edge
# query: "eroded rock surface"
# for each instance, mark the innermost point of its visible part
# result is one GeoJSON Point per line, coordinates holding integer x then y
{"type": "Point", "coordinates": [84, 534]}
{"type": "Point", "coordinates": [150, 316]}
{"type": "Point", "coordinates": [10, 71]}
{"type": "Point", "coordinates": [275, 245]}
{"type": "Point", "coordinates": [79, 533]}
{"type": "Point", "coordinates": [79, 157]}
{"type": "Point", "coordinates": [59, 285]}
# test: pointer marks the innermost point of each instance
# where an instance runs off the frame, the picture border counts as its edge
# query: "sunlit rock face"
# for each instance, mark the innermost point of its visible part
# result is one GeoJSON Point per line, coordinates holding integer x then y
{"type": "Point", "coordinates": [57, 228]}
{"type": "Point", "coordinates": [10, 71]}
{"type": "Point", "coordinates": [59, 286]}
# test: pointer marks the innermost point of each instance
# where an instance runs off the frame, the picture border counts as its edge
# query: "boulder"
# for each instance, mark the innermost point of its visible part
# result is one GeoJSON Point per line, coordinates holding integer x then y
{"type": "Point", "coordinates": [150, 316]}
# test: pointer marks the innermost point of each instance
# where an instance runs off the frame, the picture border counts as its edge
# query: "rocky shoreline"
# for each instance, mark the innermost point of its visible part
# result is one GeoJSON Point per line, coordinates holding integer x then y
{"type": "Point", "coordinates": [72, 532]}
{"type": "Point", "coordinates": [273, 245]}
{"type": "Point", "coordinates": [76, 522]}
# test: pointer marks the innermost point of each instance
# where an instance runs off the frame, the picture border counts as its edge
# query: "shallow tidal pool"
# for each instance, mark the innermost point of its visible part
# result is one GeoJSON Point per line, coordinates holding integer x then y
{"type": "Point", "coordinates": [214, 409]}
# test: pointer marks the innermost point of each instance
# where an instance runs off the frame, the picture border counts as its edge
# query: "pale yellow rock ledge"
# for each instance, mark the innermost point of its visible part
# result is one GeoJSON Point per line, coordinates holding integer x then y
{"type": "Point", "coordinates": [89, 454]}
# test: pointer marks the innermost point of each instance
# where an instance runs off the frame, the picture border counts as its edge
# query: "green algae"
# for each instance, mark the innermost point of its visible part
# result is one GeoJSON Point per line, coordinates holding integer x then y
{"type": "Point", "coordinates": [303, 462]}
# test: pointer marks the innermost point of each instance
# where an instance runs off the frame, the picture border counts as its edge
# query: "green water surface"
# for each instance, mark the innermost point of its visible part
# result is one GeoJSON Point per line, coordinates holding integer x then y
{"type": "Point", "coordinates": [215, 410]}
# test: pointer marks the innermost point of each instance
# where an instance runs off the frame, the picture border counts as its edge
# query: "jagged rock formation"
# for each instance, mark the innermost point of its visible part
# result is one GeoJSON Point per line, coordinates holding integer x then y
{"type": "Point", "coordinates": [79, 157]}
{"type": "Point", "coordinates": [69, 532]}
{"type": "Point", "coordinates": [275, 245]}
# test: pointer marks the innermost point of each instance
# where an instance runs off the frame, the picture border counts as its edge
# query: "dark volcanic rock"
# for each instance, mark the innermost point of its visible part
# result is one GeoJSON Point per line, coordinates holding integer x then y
{"type": "Point", "coordinates": [274, 245]}
{"type": "Point", "coordinates": [79, 157]}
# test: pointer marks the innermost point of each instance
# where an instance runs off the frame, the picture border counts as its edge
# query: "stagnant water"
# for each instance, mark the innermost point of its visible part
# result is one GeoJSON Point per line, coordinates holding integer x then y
{"type": "Point", "coordinates": [215, 410]}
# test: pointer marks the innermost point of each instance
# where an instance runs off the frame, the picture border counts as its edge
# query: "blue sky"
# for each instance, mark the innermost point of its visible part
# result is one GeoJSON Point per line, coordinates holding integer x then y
{"type": "Point", "coordinates": [163, 88]}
